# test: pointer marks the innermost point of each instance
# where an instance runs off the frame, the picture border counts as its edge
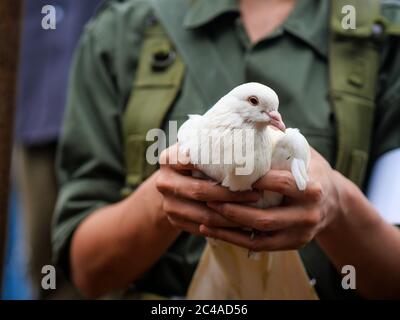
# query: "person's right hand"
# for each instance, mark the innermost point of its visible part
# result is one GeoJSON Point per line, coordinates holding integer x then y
{"type": "Point", "coordinates": [185, 197]}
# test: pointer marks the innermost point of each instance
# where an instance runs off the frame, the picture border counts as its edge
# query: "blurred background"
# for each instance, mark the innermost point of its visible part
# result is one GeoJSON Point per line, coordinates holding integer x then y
{"type": "Point", "coordinates": [49, 34]}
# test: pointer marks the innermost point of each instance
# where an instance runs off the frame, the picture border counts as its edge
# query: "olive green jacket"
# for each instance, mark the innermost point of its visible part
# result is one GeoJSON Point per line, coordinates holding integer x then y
{"type": "Point", "coordinates": [293, 60]}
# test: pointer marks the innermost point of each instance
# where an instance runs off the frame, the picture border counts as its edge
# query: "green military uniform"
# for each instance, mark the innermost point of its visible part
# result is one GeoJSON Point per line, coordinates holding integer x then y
{"type": "Point", "coordinates": [293, 60]}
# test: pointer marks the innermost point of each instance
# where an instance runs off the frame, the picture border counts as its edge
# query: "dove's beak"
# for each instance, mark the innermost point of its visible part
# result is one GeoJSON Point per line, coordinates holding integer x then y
{"type": "Point", "coordinates": [276, 120]}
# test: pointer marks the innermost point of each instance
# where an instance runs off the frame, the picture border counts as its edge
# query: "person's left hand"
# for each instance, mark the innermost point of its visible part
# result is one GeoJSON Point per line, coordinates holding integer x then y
{"type": "Point", "coordinates": [293, 224]}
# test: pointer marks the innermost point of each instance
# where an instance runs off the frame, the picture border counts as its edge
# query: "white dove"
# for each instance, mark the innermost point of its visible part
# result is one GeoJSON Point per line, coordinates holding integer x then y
{"type": "Point", "coordinates": [244, 113]}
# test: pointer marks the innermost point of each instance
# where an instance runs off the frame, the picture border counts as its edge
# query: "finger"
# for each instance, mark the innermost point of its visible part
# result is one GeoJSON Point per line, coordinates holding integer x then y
{"type": "Point", "coordinates": [184, 225]}
{"type": "Point", "coordinates": [284, 240]}
{"type": "Point", "coordinates": [271, 219]}
{"type": "Point", "coordinates": [176, 160]}
{"type": "Point", "coordinates": [195, 212]}
{"type": "Point", "coordinates": [283, 182]}
{"type": "Point", "coordinates": [201, 190]}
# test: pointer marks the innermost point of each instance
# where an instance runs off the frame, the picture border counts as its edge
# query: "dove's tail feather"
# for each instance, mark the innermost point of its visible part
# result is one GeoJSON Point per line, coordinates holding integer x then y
{"type": "Point", "coordinates": [299, 172]}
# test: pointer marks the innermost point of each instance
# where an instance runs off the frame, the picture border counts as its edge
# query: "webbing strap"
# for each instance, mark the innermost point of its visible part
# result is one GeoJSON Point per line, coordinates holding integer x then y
{"type": "Point", "coordinates": [194, 46]}
{"type": "Point", "coordinates": [354, 63]}
{"type": "Point", "coordinates": [157, 83]}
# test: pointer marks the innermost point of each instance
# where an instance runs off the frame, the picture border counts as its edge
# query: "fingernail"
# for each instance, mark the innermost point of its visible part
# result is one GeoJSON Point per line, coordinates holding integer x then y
{"type": "Point", "coordinates": [203, 229]}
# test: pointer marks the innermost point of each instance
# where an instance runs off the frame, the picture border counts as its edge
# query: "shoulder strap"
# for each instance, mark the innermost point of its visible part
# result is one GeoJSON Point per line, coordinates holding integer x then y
{"type": "Point", "coordinates": [354, 64]}
{"type": "Point", "coordinates": [156, 85]}
{"type": "Point", "coordinates": [194, 46]}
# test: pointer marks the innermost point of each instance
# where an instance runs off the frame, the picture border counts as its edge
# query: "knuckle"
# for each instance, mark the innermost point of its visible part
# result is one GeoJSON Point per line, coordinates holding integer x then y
{"type": "Point", "coordinates": [226, 210]}
{"type": "Point", "coordinates": [197, 191]}
{"type": "Point", "coordinates": [265, 224]}
{"type": "Point", "coordinates": [163, 182]}
{"type": "Point", "coordinates": [207, 220]}
{"type": "Point", "coordinates": [312, 218]}
{"type": "Point", "coordinates": [285, 182]}
{"type": "Point", "coordinates": [315, 192]}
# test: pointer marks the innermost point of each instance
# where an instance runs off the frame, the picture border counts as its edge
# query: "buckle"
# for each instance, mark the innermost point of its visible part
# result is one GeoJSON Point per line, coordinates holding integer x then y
{"type": "Point", "coordinates": [162, 59]}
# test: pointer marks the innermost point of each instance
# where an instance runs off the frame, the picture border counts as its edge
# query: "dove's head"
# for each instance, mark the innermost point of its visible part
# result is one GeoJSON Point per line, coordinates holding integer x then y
{"type": "Point", "coordinates": [256, 104]}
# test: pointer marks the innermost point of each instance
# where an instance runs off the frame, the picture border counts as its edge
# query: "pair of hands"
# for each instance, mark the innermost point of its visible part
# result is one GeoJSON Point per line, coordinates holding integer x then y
{"type": "Point", "coordinates": [205, 208]}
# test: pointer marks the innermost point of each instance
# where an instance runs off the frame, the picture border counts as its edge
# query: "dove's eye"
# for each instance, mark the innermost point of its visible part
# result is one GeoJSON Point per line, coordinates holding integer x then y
{"type": "Point", "coordinates": [253, 100]}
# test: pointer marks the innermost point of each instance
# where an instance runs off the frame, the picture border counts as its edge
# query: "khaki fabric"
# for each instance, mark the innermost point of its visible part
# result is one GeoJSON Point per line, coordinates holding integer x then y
{"type": "Point", "coordinates": [226, 272]}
